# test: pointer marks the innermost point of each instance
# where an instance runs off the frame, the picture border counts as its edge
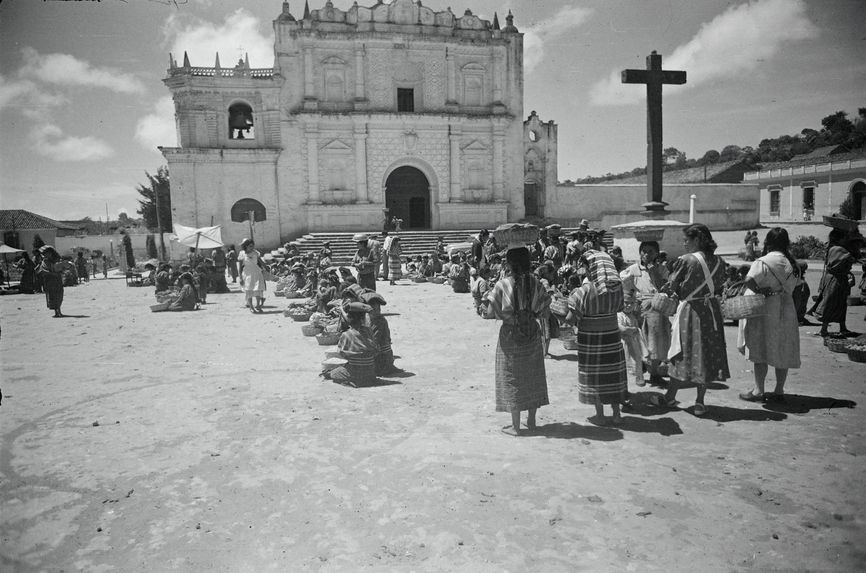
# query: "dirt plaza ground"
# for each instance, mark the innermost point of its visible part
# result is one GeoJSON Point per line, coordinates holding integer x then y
{"type": "Point", "coordinates": [205, 441]}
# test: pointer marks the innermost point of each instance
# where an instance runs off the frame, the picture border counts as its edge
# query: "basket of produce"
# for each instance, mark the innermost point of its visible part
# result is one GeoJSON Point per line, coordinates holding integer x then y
{"type": "Point", "coordinates": [857, 353]}
{"type": "Point", "coordinates": [663, 304]}
{"type": "Point", "coordinates": [160, 307]}
{"type": "Point", "coordinates": [744, 306]}
{"type": "Point", "coordinates": [293, 294]}
{"type": "Point", "coordinates": [279, 293]}
{"type": "Point", "coordinates": [299, 314]}
{"type": "Point", "coordinates": [842, 223]}
{"type": "Point", "coordinates": [437, 280]}
{"type": "Point", "coordinates": [328, 338]}
{"type": "Point", "coordinates": [837, 344]}
{"type": "Point", "coordinates": [333, 327]}
{"type": "Point", "coordinates": [310, 330]}
{"type": "Point", "coordinates": [331, 363]}
{"type": "Point", "coordinates": [419, 280]}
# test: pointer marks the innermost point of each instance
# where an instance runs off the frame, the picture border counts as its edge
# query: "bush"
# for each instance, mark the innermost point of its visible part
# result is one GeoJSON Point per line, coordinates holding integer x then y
{"type": "Point", "coordinates": [847, 208]}
{"type": "Point", "coordinates": [808, 248]}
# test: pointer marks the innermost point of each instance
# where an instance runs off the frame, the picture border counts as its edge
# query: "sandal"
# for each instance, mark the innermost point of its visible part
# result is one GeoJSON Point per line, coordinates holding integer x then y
{"type": "Point", "coordinates": [750, 396]}
{"type": "Point", "coordinates": [700, 410]}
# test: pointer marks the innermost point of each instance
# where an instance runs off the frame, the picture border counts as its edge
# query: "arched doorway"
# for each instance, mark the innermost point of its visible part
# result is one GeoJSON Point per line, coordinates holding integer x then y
{"type": "Point", "coordinates": [858, 190]}
{"type": "Point", "coordinates": [407, 197]}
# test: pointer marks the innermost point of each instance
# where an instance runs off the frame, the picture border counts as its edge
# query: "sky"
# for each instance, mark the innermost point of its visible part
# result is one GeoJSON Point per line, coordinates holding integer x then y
{"type": "Point", "coordinates": [83, 106]}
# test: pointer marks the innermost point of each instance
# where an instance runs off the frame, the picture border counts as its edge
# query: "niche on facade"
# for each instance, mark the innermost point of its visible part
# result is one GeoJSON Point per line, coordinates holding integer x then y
{"type": "Point", "coordinates": [408, 80]}
{"type": "Point", "coordinates": [476, 173]}
{"type": "Point", "coordinates": [473, 85]}
{"type": "Point", "coordinates": [241, 124]}
{"type": "Point", "coordinates": [532, 161]}
{"type": "Point", "coordinates": [248, 209]}
{"type": "Point", "coordinates": [333, 82]}
{"type": "Point", "coordinates": [335, 160]}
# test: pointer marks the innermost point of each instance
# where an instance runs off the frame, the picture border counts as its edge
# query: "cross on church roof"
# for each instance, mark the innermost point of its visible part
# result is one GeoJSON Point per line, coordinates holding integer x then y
{"type": "Point", "coordinates": [654, 77]}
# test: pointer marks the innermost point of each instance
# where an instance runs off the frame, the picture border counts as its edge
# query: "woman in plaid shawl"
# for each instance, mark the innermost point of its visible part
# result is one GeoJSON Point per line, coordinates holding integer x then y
{"type": "Point", "coordinates": [601, 372]}
{"type": "Point", "coordinates": [519, 300]}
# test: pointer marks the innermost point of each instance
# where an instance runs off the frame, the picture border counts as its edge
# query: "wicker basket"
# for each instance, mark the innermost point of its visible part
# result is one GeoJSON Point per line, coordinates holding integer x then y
{"type": "Point", "coordinates": [841, 223]}
{"type": "Point", "coordinates": [333, 354]}
{"type": "Point", "coordinates": [663, 304]}
{"type": "Point", "coordinates": [160, 307]}
{"type": "Point", "coordinates": [837, 345]}
{"type": "Point", "coordinates": [293, 294]}
{"type": "Point", "coordinates": [744, 306]}
{"type": "Point", "coordinates": [279, 293]}
{"type": "Point", "coordinates": [516, 234]}
{"type": "Point", "coordinates": [857, 353]}
{"type": "Point", "coordinates": [299, 316]}
{"type": "Point", "coordinates": [559, 306]}
{"type": "Point", "coordinates": [419, 280]}
{"type": "Point", "coordinates": [310, 330]}
{"type": "Point", "coordinates": [327, 339]}
{"type": "Point", "coordinates": [331, 363]}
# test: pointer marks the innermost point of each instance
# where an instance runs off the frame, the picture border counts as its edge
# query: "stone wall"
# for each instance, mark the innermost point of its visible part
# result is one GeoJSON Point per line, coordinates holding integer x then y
{"type": "Point", "coordinates": [721, 206]}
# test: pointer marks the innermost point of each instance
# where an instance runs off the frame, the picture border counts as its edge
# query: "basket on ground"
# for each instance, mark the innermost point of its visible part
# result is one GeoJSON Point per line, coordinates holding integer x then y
{"type": "Point", "coordinates": [328, 338]}
{"type": "Point", "coordinates": [330, 363]}
{"type": "Point", "coordinates": [160, 307]}
{"type": "Point", "coordinates": [299, 315]}
{"type": "Point", "coordinates": [744, 306]}
{"type": "Point", "coordinates": [569, 340]}
{"type": "Point", "coordinates": [837, 345]}
{"type": "Point", "coordinates": [857, 353]}
{"type": "Point", "coordinates": [333, 354]}
{"type": "Point", "coordinates": [419, 279]}
{"type": "Point", "coordinates": [293, 294]}
{"type": "Point", "coordinates": [438, 280]}
{"type": "Point", "coordinates": [310, 330]}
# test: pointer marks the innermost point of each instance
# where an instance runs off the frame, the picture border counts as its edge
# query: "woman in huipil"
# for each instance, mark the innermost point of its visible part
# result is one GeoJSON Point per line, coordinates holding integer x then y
{"type": "Point", "coordinates": [50, 270]}
{"type": "Point", "coordinates": [773, 338]}
{"type": "Point", "coordinates": [698, 353]}
{"type": "Point", "coordinates": [358, 347]}
{"type": "Point", "coordinates": [519, 300]}
{"type": "Point", "coordinates": [395, 257]}
{"type": "Point", "coordinates": [593, 308]}
{"type": "Point", "coordinates": [252, 277]}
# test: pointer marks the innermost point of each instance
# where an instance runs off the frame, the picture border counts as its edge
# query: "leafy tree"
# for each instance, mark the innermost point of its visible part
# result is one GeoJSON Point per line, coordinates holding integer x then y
{"type": "Point", "coordinates": [730, 152]}
{"type": "Point", "coordinates": [710, 157]}
{"type": "Point", "coordinates": [158, 185]}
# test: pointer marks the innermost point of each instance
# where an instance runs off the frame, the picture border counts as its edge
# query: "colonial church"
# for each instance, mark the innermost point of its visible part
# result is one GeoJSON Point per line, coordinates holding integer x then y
{"type": "Point", "coordinates": [392, 106]}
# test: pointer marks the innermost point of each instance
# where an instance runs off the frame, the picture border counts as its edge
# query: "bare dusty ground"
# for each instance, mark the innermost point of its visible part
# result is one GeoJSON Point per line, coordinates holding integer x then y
{"type": "Point", "coordinates": [205, 441]}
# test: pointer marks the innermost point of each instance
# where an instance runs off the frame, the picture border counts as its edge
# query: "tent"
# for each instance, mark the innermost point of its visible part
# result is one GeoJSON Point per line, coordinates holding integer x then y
{"type": "Point", "coordinates": [201, 238]}
{"type": "Point", "coordinates": [6, 250]}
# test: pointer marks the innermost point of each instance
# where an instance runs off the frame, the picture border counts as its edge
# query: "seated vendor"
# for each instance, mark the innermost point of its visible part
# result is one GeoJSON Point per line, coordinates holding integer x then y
{"type": "Point", "coordinates": [162, 280]}
{"type": "Point", "coordinates": [381, 332]}
{"type": "Point", "coordinates": [357, 346]}
{"type": "Point", "coordinates": [187, 299]}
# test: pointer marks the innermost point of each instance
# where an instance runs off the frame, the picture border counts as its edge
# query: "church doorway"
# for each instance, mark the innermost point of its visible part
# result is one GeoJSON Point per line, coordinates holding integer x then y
{"type": "Point", "coordinates": [530, 198]}
{"type": "Point", "coordinates": [407, 197]}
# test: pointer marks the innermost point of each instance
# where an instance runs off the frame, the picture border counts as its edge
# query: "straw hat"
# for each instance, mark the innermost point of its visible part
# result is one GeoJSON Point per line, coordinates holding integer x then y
{"type": "Point", "coordinates": [360, 237]}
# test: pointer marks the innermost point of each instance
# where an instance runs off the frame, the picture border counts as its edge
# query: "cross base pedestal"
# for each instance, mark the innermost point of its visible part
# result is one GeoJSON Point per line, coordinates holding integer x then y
{"type": "Point", "coordinates": [655, 210]}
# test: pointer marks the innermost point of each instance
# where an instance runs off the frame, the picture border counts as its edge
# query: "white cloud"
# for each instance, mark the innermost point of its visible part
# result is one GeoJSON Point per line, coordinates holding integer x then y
{"type": "Point", "coordinates": [67, 70]}
{"type": "Point", "coordinates": [734, 42]}
{"type": "Point", "coordinates": [237, 35]}
{"type": "Point", "coordinates": [158, 127]}
{"type": "Point", "coordinates": [535, 36]}
{"type": "Point", "coordinates": [50, 141]}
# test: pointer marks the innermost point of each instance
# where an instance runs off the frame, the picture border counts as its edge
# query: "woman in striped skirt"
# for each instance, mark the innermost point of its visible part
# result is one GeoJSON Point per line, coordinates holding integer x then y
{"type": "Point", "coordinates": [593, 306]}
{"type": "Point", "coordinates": [359, 349]}
{"type": "Point", "coordinates": [519, 300]}
{"type": "Point", "coordinates": [395, 255]}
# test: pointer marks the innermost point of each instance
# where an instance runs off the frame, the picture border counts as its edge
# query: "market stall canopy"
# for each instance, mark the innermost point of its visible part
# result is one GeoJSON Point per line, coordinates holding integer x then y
{"type": "Point", "coordinates": [201, 238]}
{"type": "Point", "coordinates": [4, 249]}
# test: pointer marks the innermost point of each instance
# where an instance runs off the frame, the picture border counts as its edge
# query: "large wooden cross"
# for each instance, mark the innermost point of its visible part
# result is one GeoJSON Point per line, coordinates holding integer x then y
{"type": "Point", "coordinates": [653, 76]}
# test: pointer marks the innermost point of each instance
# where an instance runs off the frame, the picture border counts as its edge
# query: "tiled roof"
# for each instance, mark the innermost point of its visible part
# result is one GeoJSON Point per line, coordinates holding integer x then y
{"type": "Point", "coordinates": [21, 219]}
{"type": "Point", "coordinates": [684, 176]}
{"type": "Point", "coordinates": [819, 153]}
{"type": "Point", "coordinates": [813, 160]}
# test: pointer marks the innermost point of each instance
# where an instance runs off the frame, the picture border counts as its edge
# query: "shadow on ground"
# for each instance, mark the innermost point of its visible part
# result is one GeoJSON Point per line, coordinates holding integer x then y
{"type": "Point", "coordinates": [798, 404]}
{"type": "Point", "coordinates": [570, 431]}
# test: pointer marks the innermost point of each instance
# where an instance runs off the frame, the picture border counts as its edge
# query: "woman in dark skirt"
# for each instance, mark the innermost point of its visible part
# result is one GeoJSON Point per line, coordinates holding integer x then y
{"type": "Point", "coordinates": [28, 272]}
{"type": "Point", "coordinates": [519, 300]}
{"type": "Point", "coordinates": [359, 349]}
{"type": "Point", "coordinates": [592, 308]}
{"type": "Point", "coordinates": [51, 274]}
{"type": "Point", "coordinates": [835, 287]}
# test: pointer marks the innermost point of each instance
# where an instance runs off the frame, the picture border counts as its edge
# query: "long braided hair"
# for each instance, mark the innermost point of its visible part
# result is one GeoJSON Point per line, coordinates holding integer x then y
{"type": "Point", "coordinates": [777, 240]}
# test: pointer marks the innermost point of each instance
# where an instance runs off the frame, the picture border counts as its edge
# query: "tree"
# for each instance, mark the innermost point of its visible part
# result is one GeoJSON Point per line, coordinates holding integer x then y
{"type": "Point", "coordinates": [710, 157]}
{"type": "Point", "coordinates": [158, 187]}
{"type": "Point", "coordinates": [730, 152]}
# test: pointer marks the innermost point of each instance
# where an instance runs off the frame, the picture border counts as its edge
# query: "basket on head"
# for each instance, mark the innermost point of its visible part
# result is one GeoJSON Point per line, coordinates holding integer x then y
{"type": "Point", "coordinates": [744, 306]}
{"type": "Point", "coordinates": [310, 330]}
{"type": "Point", "coordinates": [327, 338]}
{"type": "Point", "coordinates": [663, 304]}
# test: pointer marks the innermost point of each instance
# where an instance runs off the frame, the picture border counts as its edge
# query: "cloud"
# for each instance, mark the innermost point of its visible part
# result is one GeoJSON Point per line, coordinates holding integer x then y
{"type": "Point", "coordinates": [535, 36]}
{"type": "Point", "coordinates": [67, 70]}
{"type": "Point", "coordinates": [237, 35]}
{"type": "Point", "coordinates": [734, 42]}
{"type": "Point", "coordinates": [158, 128]}
{"type": "Point", "coordinates": [50, 141]}
{"type": "Point", "coordinates": [27, 98]}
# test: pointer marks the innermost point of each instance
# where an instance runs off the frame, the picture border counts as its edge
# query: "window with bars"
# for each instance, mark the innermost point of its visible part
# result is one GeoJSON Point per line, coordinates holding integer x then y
{"type": "Point", "coordinates": [405, 99]}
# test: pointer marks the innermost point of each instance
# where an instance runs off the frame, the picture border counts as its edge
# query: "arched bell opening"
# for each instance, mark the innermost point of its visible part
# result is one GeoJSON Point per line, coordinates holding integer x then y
{"type": "Point", "coordinates": [241, 124]}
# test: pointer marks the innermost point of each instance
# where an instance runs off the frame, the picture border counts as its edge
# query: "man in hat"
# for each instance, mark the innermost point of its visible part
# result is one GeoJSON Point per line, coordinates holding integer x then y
{"type": "Point", "coordinates": [386, 248]}
{"type": "Point", "coordinates": [364, 262]}
{"type": "Point", "coordinates": [478, 242]}
{"type": "Point", "coordinates": [583, 226]}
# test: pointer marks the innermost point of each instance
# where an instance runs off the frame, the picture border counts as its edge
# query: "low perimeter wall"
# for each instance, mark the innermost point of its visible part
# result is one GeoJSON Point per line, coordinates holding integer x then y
{"type": "Point", "coordinates": [109, 244]}
{"type": "Point", "coordinates": [720, 206]}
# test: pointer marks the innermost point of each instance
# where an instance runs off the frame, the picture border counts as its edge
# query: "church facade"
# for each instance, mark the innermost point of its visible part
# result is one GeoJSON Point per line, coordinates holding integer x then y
{"type": "Point", "coordinates": [391, 109]}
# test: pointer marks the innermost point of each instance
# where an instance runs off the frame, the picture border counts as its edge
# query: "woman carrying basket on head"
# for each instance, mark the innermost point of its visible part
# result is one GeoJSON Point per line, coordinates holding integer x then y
{"type": "Point", "coordinates": [772, 338]}
{"type": "Point", "coordinates": [698, 353]}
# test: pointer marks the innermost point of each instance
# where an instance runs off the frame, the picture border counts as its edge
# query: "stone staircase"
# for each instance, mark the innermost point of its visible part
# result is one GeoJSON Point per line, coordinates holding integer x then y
{"type": "Point", "coordinates": [413, 242]}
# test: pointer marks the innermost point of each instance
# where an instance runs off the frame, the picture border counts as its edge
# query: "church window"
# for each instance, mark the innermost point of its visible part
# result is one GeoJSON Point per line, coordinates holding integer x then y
{"type": "Point", "coordinates": [473, 84]}
{"type": "Point", "coordinates": [533, 136]}
{"type": "Point", "coordinates": [808, 200]}
{"type": "Point", "coordinates": [334, 87]}
{"type": "Point", "coordinates": [405, 99]}
{"type": "Point", "coordinates": [775, 201]}
{"type": "Point", "coordinates": [241, 124]}
{"type": "Point", "coordinates": [242, 209]}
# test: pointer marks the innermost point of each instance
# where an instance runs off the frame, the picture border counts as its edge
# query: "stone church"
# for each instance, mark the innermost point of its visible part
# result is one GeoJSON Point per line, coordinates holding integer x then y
{"type": "Point", "coordinates": [393, 106]}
